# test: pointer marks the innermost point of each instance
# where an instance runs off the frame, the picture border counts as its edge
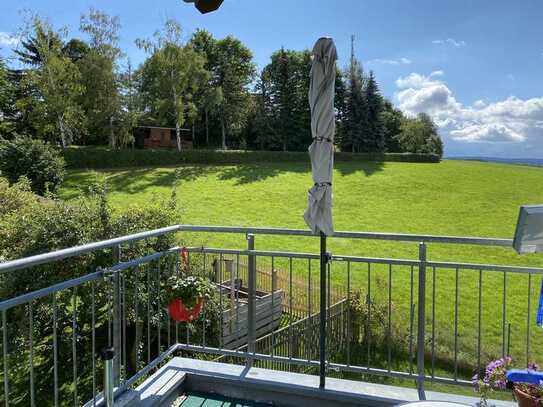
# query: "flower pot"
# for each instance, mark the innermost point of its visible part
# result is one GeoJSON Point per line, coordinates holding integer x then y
{"type": "Point", "coordinates": [178, 311]}
{"type": "Point", "coordinates": [525, 400]}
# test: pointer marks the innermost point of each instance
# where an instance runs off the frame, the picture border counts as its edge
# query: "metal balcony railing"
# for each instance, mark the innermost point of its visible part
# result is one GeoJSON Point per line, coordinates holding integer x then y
{"type": "Point", "coordinates": [412, 319]}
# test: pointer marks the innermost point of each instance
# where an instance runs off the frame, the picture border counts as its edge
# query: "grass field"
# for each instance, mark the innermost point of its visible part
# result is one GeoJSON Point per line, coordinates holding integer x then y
{"type": "Point", "coordinates": [450, 198]}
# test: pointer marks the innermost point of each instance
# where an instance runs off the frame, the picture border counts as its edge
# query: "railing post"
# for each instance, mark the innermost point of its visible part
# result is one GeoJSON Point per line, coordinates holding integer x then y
{"type": "Point", "coordinates": [108, 355]}
{"type": "Point", "coordinates": [421, 324]}
{"type": "Point", "coordinates": [251, 285]}
{"type": "Point", "coordinates": [324, 260]}
{"type": "Point", "coordinates": [117, 323]}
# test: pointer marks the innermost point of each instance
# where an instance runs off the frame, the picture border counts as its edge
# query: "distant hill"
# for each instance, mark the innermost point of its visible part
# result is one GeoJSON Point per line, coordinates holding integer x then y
{"type": "Point", "coordinates": [537, 162]}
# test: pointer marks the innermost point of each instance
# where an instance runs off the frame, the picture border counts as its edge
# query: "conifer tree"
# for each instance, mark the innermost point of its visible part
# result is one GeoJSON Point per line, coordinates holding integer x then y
{"type": "Point", "coordinates": [373, 134]}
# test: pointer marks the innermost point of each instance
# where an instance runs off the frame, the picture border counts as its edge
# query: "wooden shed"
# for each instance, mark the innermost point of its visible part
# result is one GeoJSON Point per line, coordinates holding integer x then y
{"type": "Point", "coordinates": [161, 137]}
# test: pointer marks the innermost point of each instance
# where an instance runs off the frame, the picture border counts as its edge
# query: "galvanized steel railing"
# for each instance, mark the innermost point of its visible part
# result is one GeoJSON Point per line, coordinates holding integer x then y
{"type": "Point", "coordinates": [377, 332]}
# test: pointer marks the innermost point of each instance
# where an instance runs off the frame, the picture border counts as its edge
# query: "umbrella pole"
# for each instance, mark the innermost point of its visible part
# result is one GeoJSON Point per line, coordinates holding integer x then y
{"type": "Point", "coordinates": [322, 339]}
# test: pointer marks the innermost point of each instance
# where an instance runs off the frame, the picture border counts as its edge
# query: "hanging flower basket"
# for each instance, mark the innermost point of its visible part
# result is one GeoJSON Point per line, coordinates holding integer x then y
{"type": "Point", "coordinates": [185, 296]}
{"type": "Point", "coordinates": [178, 311]}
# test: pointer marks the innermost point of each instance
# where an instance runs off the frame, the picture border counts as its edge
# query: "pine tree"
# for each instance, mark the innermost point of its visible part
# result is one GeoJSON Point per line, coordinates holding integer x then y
{"type": "Point", "coordinates": [374, 133]}
{"type": "Point", "coordinates": [355, 121]}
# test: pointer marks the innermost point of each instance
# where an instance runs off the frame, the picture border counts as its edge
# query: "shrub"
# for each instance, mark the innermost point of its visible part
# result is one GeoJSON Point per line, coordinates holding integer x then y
{"type": "Point", "coordinates": [29, 225]}
{"type": "Point", "coordinates": [99, 157]}
{"type": "Point", "coordinates": [41, 163]}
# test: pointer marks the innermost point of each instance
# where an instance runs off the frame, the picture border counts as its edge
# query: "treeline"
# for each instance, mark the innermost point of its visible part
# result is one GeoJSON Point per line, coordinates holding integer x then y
{"type": "Point", "coordinates": [85, 91]}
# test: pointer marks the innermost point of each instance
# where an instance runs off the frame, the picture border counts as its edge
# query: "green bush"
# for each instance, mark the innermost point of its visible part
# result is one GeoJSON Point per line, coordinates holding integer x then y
{"type": "Point", "coordinates": [41, 163]}
{"type": "Point", "coordinates": [99, 157]}
{"type": "Point", "coordinates": [31, 224]}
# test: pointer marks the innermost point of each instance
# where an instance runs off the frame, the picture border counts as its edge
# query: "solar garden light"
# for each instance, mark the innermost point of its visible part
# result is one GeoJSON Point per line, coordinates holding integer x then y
{"type": "Point", "coordinates": [205, 6]}
{"type": "Point", "coordinates": [529, 233]}
{"type": "Point", "coordinates": [529, 239]}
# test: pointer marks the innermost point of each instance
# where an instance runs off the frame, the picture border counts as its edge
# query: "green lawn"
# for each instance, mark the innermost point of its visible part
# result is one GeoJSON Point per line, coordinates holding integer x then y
{"type": "Point", "coordinates": [450, 198]}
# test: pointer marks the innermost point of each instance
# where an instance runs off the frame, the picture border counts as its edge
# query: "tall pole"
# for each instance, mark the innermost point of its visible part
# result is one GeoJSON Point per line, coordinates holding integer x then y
{"type": "Point", "coordinates": [322, 339]}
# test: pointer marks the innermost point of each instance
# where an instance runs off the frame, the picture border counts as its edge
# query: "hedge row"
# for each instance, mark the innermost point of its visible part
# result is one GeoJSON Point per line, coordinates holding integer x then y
{"type": "Point", "coordinates": [99, 157]}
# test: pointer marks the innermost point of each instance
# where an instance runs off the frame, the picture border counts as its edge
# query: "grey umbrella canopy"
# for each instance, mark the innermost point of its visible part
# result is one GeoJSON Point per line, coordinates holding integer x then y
{"type": "Point", "coordinates": [318, 215]}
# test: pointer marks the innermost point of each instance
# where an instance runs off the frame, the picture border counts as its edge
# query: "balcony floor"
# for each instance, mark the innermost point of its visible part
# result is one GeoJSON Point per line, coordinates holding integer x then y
{"type": "Point", "coordinates": [268, 387]}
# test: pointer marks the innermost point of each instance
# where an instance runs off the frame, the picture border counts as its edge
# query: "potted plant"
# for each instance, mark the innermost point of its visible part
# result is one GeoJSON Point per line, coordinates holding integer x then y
{"type": "Point", "coordinates": [185, 296]}
{"type": "Point", "coordinates": [527, 395]}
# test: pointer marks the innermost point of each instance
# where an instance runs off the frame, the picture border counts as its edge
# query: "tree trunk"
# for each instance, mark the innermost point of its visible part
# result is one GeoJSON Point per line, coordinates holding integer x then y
{"type": "Point", "coordinates": [62, 133]}
{"type": "Point", "coordinates": [207, 129]}
{"type": "Point", "coordinates": [223, 130]}
{"type": "Point", "coordinates": [178, 136]}
{"type": "Point", "coordinates": [112, 141]}
{"type": "Point", "coordinates": [193, 131]}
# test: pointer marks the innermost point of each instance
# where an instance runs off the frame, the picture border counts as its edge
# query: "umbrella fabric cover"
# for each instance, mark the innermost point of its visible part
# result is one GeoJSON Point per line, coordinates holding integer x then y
{"type": "Point", "coordinates": [318, 215]}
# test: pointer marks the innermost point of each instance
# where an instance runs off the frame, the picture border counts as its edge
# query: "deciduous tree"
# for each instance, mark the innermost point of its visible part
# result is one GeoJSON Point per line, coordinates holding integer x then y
{"type": "Point", "coordinates": [171, 77]}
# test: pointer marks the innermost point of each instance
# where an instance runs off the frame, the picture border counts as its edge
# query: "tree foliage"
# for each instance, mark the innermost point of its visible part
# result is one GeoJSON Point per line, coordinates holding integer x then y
{"type": "Point", "coordinates": [54, 86]}
{"type": "Point", "coordinates": [79, 90]}
{"type": "Point", "coordinates": [171, 77]}
{"type": "Point", "coordinates": [39, 162]}
{"type": "Point", "coordinates": [419, 135]}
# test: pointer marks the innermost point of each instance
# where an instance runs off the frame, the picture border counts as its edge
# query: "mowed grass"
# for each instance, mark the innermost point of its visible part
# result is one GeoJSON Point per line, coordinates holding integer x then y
{"type": "Point", "coordinates": [454, 198]}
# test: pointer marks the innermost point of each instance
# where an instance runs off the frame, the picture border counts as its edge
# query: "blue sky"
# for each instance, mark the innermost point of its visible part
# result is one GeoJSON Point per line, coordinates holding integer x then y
{"type": "Point", "coordinates": [475, 66]}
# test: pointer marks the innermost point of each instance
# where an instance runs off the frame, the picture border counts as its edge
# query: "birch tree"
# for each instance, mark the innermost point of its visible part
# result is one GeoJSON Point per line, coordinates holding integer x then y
{"type": "Point", "coordinates": [171, 77]}
{"type": "Point", "coordinates": [56, 87]}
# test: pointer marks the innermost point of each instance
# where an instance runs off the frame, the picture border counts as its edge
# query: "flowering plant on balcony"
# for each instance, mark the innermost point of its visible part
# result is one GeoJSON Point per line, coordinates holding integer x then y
{"type": "Point", "coordinates": [185, 296]}
{"type": "Point", "coordinates": [495, 379]}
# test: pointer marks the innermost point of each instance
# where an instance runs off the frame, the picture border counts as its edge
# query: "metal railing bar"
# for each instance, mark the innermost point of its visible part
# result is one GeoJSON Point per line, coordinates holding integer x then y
{"type": "Point", "coordinates": [159, 308]}
{"type": "Point", "coordinates": [528, 319]}
{"type": "Point", "coordinates": [485, 267]}
{"type": "Point", "coordinates": [83, 249]}
{"type": "Point", "coordinates": [299, 255]}
{"type": "Point", "coordinates": [349, 334]}
{"type": "Point", "coordinates": [504, 311]}
{"type": "Point", "coordinates": [93, 340]}
{"type": "Point", "coordinates": [315, 363]}
{"type": "Point", "coordinates": [31, 353]}
{"type": "Point", "coordinates": [352, 235]}
{"type": "Point", "coordinates": [373, 260]}
{"type": "Point", "coordinates": [411, 319]}
{"type": "Point", "coordinates": [121, 266]}
{"type": "Point", "coordinates": [433, 321]}
{"type": "Point", "coordinates": [389, 326]}
{"type": "Point", "coordinates": [26, 298]}
{"type": "Point", "coordinates": [368, 318]}
{"type": "Point", "coordinates": [290, 311]}
{"type": "Point", "coordinates": [74, 344]}
{"type": "Point", "coordinates": [58, 255]}
{"type": "Point", "coordinates": [137, 315]}
{"type": "Point", "coordinates": [5, 356]}
{"type": "Point", "coordinates": [479, 319]}
{"type": "Point", "coordinates": [456, 324]}
{"type": "Point", "coordinates": [55, 351]}
{"type": "Point", "coordinates": [148, 313]}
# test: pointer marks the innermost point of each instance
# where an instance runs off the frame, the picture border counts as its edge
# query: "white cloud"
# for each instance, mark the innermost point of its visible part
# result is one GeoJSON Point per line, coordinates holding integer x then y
{"type": "Point", "coordinates": [437, 73]}
{"type": "Point", "coordinates": [399, 61]}
{"type": "Point", "coordinates": [450, 41]}
{"type": "Point", "coordinates": [513, 121]}
{"type": "Point", "coordinates": [8, 40]}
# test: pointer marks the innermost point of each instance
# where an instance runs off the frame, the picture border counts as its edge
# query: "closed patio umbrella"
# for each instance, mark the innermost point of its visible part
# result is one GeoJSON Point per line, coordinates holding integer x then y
{"type": "Point", "coordinates": [318, 215]}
